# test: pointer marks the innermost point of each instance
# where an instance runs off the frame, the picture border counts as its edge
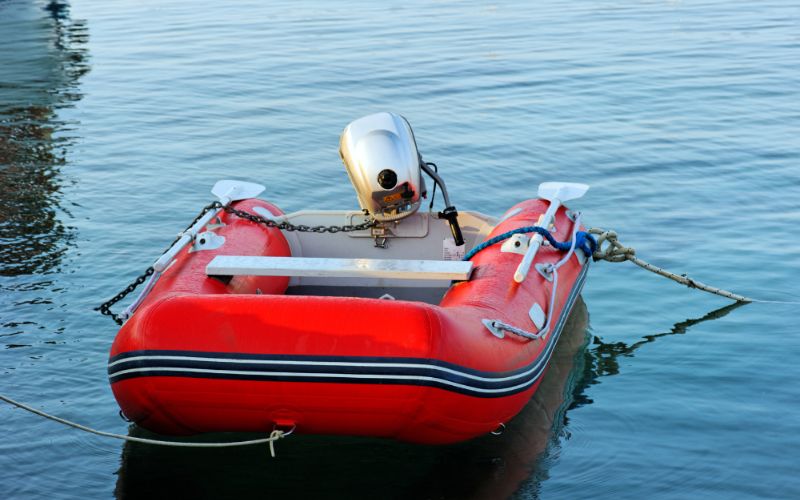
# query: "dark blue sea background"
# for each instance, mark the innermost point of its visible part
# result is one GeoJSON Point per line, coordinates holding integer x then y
{"type": "Point", "coordinates": [116, 118]}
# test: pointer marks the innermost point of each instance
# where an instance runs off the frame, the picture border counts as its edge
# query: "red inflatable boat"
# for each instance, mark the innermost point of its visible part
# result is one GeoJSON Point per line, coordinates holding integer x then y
{"type": "Point", "coordinates": [257, 320]}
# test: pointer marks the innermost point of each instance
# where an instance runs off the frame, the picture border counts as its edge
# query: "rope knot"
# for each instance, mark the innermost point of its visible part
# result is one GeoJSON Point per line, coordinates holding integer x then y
{"type": "Point", "coordinates": [274, 436]}
{"type": "Point", "coordinates": [613, 251]}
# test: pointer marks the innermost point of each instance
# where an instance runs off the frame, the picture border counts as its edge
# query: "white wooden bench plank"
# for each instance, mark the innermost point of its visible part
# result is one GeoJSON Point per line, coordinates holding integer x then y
{"type": "Point", "coordinates": [233, 265]}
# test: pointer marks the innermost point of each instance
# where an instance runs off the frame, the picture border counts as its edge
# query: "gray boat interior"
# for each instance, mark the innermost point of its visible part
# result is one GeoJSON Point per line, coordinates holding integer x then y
{"type": "Point", "coordinates": [421, 236]}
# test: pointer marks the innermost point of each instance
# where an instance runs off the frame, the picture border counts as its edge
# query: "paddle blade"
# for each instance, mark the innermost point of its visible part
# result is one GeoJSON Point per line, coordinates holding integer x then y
{"type": "Point", "coordinates": [562, 191]}
{"type": "Point", "coordinates": [236, 190]}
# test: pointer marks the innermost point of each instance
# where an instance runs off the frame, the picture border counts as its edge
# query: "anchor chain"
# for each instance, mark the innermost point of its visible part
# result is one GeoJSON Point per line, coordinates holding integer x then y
{"type": "Point", "coordinates": [287, 226]}
{"type": "Point", "coordinates": [105, 307]}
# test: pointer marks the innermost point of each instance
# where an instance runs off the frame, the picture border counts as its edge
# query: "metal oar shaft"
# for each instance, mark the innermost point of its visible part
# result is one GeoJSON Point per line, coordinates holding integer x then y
{"type": "Point", "coordinates": [226, 191]}
{"type": "Point", "coordinates": [536, 243]}
{"type": "Point", "coordinates": [186, 238]}
{"type": "Point", "coordinates": [556, 193]}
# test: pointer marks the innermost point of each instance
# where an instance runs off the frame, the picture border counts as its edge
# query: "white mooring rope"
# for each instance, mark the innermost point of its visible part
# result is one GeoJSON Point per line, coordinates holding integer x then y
{"type": "Point", "coordinates": [614, 251]}
{"type": "Point", "coordinates": [273, 436]}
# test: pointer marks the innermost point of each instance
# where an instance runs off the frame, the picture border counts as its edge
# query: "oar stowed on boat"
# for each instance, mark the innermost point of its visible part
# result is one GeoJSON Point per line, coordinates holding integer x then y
{"type": "Point", "coordinates": [226, 191]}
{"type": "Point", "coordinates": [555, 193]}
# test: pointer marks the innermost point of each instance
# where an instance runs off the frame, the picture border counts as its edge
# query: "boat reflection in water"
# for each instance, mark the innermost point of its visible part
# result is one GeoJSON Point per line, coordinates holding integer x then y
{"type": "Point", "coordinates": [42, 59]}
{"type": "Point", "coordinates": [44, 56]}
{"type": "Point", "coordinates": [489, 467]}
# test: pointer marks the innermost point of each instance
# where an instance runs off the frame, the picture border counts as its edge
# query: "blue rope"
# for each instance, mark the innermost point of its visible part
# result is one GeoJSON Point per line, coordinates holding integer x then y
{"type": "Point", "coordinates": [585, 241]}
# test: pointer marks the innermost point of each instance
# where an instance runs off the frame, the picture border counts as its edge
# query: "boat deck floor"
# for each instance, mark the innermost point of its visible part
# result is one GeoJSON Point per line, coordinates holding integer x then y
{"type": "Point", "coordinates": [430, 295]}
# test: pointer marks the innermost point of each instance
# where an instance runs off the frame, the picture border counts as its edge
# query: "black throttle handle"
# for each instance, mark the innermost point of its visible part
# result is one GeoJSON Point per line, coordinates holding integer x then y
{"type": "Point", "coordinates": [451, 215]}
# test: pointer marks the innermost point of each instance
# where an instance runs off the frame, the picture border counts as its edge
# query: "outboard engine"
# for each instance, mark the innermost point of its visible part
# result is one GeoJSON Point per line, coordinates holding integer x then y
{"type": "Point", "coordinates": [381, 158]}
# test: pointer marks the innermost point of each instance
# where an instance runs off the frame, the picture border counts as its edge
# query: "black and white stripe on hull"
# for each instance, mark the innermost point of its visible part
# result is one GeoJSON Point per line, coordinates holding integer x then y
{"type": "Point", "coordinates": [341, 369]}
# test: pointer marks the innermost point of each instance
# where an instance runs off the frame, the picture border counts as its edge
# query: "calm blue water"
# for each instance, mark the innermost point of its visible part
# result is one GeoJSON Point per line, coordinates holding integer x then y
{"type": "Point", "coordinates": [117, 117]}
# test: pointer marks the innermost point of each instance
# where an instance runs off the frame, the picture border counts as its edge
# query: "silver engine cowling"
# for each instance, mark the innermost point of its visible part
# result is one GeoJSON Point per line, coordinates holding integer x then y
{"type": "Point", "coordinates": [380, 155]}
